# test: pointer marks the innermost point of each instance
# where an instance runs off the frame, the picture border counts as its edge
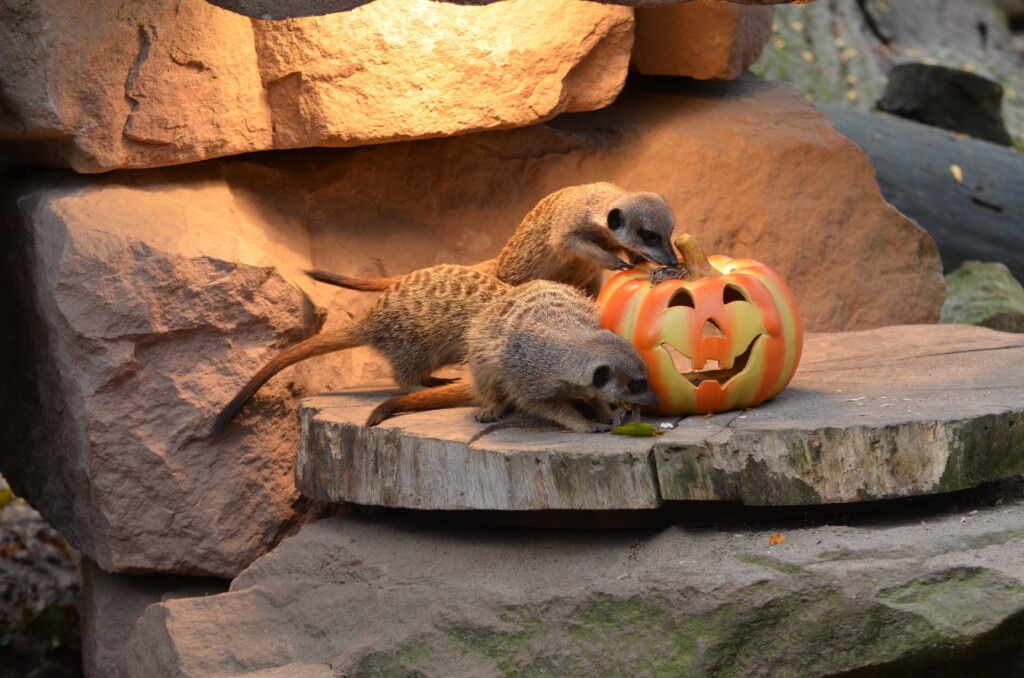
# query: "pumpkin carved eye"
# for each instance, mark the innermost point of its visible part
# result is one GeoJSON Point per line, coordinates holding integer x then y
{"type": "Point", "coordinates": [732, 293]}
{"type": "Point", "coordinates": [682, 297]}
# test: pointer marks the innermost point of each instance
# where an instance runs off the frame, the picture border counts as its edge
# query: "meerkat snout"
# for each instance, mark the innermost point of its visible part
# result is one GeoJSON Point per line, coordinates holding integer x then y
{"type": "Point", "coordinates": [643, 225]}
{"type": "Point", "coordinates": [621, 375]}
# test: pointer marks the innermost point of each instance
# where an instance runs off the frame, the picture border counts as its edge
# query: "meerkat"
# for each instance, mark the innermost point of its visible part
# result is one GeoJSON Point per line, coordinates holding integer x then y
{"type": "Point", "coordinates": [536, 349]}
{"type": "Point", "coordinates": [571, 236]}
{"type": "Point", "coordinates": [418, 324]}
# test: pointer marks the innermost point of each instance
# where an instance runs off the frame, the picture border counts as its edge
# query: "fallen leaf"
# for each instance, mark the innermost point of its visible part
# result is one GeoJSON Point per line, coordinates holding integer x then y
{"type": "Point", "coordinates": [707, 416]}
{"type": "Point", "coordinates": [957, 173]}
{"type": "Point", "coordinates": [6, 495]}
{"type": "Point", "coordinates": [776, 539]}
{"type": "Point", "coordinates": [637, 429]}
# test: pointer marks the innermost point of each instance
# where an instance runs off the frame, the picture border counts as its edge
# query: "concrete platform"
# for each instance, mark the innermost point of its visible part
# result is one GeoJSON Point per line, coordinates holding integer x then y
{"type": "Point", "coordinates": [885, 413]}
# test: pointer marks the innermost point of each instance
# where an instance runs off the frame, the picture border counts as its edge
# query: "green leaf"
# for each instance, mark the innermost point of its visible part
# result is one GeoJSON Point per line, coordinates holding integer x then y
{"type": "Point", "coordinates": [637, 428]}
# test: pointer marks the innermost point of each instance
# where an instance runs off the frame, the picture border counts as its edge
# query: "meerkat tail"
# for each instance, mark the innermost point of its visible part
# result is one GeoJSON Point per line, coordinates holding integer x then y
{"type": "Point", "coordinates": [326, 342]}
{"type": "Point", "coordinates": [361, 284]}
{"type": "Point", "coordinates": [457, 394]}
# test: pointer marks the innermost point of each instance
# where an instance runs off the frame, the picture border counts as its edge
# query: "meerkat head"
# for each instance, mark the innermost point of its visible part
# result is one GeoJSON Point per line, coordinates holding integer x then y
{"type": "Point", "coordinates": [615, 372]}
{"type": "Point", "coordinates": [642, 223]}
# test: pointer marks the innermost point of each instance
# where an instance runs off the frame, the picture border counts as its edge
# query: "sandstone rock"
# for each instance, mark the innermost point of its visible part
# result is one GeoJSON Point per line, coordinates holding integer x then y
{"type": "Point", "coordinates": [140, 298]}
{"type": "Point", "coordinates": [399, 70]}
{"type": "Point", "coordinates": [153, 83]}
{"type": "Point", "coordinates": [151, 297]}
{"type": "Point", "coordinates": [984, 294]}
{"type": "Point", "coordinates": [748, 167]}
{"type": "Point", "coordinates": [704, 39]}
{"type": "Point", "coordinates": [400, 598]}
{"type": "Point", "coordinates": [857, 422]}
{"type": "Point", "coordinates": [112, 85]}
{"type": "Point", "coordinates": [284, 9]}
{"type": "Point", "coordinates": [112, 603]}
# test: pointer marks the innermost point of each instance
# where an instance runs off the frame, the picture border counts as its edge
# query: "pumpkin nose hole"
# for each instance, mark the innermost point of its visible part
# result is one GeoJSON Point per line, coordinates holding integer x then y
{"type": "Point", "coordinates": [711, 329]}
{"type": "Point", "coordinates": [732, 293]}
{"type": "Point", "coordinates": [682, 298]}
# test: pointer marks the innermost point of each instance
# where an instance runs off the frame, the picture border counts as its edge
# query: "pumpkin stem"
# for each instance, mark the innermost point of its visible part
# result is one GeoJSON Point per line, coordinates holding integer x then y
{"type": "Point", "coordinates": [693, 264]}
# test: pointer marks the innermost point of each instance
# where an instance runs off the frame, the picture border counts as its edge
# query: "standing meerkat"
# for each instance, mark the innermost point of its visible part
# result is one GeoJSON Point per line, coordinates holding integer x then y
{"type": "Point", "coordinates": [571, 236]}
{"type": "Point", "coordinates": [418, 324]}
{"type": "Point", "coordinates": [536, 349]}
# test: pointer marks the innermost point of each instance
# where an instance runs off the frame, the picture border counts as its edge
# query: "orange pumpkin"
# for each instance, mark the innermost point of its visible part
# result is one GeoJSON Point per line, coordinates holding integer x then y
{"type": "Point", "coordinates": [717, 334]}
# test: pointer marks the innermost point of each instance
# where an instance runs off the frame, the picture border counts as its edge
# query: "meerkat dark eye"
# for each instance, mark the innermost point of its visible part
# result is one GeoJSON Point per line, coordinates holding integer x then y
{"type": "Point", "coordinates": [638, 386]}
{"type": "Point", "coordinates": [601, 376]}
{"type": "Point", "coordinates": [615, 219]}
{"type": "Point", "coordinates": [650, 238]}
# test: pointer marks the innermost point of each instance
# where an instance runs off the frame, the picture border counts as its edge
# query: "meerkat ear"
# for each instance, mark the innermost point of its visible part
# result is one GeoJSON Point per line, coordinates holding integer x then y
{"type": "Point", "coordinates": [601, 376]}
{"type": "Point", "coordinates": [615, 221]}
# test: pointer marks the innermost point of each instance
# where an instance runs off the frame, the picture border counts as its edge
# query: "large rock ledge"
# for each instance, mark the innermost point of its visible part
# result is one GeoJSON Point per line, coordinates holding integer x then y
{"type": "Point", "coordinates": [929, 595]}
{"type": "Point", "coordinates": [878, 414]}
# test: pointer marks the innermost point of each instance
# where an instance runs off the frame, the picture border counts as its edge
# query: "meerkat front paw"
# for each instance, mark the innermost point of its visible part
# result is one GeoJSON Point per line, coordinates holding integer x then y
{"type": "Point", "coordinates": [491, 413]}
{"type": "Point", "coordinates": [599, 428]}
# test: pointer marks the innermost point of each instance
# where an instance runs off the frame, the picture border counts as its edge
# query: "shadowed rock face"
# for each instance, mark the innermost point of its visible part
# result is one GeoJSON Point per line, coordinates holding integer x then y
{"type": "Point", "coordinates": [152, 296]}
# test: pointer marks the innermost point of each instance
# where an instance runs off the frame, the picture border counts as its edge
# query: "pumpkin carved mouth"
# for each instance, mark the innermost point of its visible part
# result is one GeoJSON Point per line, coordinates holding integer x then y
{"type": "Point", "coordinates": [712, 371]}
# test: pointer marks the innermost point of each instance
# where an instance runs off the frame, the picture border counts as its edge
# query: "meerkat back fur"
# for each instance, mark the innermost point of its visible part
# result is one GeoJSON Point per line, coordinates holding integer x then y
{"type": "Point", "coordinates": [419, 325]}
{"type": "Point", "coordinates": [571, 236]}
{"type": "Point", "coordinates": [536, 349]}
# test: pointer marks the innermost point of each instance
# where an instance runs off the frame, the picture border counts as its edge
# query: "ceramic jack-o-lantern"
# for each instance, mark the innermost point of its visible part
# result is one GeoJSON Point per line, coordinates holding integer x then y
{"type": "Point", "coordinates": [717, 334]}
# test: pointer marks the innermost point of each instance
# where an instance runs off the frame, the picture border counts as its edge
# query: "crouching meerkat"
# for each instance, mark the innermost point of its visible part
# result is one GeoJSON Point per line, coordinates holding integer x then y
{"type": "Point", "coordinates": [418, 324]}
{"type": "Point", "coordinates": [571, 236]}
{"type": "Point", "coordinates": [535, 349]}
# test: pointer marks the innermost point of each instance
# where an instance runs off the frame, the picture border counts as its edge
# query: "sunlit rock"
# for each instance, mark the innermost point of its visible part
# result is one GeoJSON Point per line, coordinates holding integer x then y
{"type": "Point", "coordinates": [704, 39]}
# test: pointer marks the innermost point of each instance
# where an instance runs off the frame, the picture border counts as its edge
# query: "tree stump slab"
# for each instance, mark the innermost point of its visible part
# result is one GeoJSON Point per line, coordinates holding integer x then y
{"type": "Point", "coordinates": [876, 414]}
